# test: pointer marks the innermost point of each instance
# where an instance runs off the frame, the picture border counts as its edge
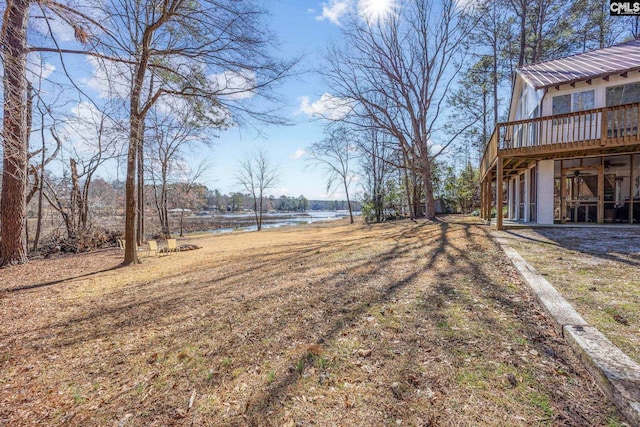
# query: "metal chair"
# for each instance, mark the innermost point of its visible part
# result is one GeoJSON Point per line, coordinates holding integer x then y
{"type": "Point", "coordinates": [152, 246]}
{"type": "Point", "coordinates": [172, 245]}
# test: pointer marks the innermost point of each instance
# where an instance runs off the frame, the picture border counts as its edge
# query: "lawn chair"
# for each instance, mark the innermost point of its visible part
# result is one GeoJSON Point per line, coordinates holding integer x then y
{"type": "Point", "coordinates": [152, 246]}
{"type": "Point", "coordinates": [172, 245]}
{"type": "Point", "coordinates": [122, 244]}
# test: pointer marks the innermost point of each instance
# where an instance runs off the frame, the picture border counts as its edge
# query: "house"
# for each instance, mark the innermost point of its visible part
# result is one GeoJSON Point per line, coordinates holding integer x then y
{"type": "Point", "coordinates": [570, 152]}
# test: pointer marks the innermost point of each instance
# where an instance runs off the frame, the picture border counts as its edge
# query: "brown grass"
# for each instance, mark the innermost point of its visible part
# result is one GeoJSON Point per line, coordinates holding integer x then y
{"type": "Point", "coordinates": [420, 324]}
{"type": "Point", "coordinates": [596, 270]}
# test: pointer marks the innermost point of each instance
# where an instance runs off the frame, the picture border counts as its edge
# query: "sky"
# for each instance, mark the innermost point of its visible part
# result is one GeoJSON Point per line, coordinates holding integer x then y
{"type": "Point", "coordinates": [304, 28]}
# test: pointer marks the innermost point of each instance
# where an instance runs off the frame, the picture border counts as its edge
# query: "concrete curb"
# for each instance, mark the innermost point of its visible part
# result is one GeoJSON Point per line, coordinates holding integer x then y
{"type": "Point", "coordinates": [617, 375]}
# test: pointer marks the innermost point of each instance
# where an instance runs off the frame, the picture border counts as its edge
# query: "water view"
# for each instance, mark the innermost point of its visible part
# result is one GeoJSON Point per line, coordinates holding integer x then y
{"type": "Point", "coordinates": [246, 221]}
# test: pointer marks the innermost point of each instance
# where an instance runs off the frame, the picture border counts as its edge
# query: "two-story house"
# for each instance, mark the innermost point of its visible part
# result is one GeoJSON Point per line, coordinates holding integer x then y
{"type": "Point", "coordinates": [570, 152]}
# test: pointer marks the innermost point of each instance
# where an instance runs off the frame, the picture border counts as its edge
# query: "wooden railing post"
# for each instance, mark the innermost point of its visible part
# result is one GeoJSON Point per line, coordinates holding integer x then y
{"type": "Point", "coordinates": [604, 126]}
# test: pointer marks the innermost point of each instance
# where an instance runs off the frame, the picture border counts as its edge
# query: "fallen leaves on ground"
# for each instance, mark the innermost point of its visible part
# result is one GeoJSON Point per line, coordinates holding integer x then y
{"type": "Point", "coordinates": [404, 323]}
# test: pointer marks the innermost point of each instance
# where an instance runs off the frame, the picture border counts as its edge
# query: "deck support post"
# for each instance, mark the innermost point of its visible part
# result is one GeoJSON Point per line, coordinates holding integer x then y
{"type": "Point", "coordinates": [482, 199]}
{"type": "Point", "coordinates": [600, 214]}
{"type": "Point", "coordinates": [485, 191]}
{"type": "Point", "coordinates": [499, 193]}
{"type": "Point", "coordinates": [488, 202]}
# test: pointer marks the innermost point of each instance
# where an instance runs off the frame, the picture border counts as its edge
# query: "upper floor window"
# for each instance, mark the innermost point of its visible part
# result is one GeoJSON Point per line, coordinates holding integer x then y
{"type": "Point", "coordinates": [578, 101]}
{"type": "Point", "coordinates": [561, 104]}
{"type": "Point", "coordinates": [623, 94]}
{"type": "Point", "coordinates": [583, 101]}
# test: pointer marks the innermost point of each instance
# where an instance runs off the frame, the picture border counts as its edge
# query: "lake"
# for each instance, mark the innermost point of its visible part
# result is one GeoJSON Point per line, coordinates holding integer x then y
{"type": "Point", "coordinates": [246, 221]}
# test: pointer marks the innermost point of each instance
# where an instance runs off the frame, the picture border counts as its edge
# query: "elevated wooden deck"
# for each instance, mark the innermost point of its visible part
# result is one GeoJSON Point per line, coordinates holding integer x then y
{"type": "Point", "coordinates": [604, 130]}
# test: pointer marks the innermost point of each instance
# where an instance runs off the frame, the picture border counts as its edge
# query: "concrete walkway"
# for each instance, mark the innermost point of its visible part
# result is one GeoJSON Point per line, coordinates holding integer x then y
{"type": "Point", "coordinates": [617, 375]}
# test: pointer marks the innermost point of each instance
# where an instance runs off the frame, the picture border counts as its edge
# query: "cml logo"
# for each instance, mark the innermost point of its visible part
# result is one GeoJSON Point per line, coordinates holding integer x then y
{"type": "Point", "coordinates": [624, 8]}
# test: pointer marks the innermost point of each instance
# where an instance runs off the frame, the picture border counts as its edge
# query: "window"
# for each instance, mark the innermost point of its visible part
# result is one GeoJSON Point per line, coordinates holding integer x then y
{"type": "Point", "coordinates": [624, 94]}
{"type": "Point", "coordinates": [561, 104]}
{"type": "Point", "coordinates": [579, 101]}
{"type": "Point", "coordinates": [583, 101]}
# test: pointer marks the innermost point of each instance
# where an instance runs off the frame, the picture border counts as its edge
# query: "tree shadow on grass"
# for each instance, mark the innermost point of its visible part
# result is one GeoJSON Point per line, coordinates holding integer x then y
{"type": "Point", "coordinates": [199, 323]}
{"type": "Point", "coordinates": [56, 282]}
{"type": "Point", "coordinates": [267, 400]}
{"type": "Point", "coordinates": [607, 244]}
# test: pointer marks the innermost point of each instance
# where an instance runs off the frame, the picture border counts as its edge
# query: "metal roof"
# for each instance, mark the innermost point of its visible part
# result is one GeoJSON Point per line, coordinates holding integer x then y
{"type": "Point", "coordinates": [584, 66]}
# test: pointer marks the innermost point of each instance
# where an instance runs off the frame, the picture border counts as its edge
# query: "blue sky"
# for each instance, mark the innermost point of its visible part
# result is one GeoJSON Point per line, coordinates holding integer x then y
{"type": "Point", "coordinates": [302, 30]}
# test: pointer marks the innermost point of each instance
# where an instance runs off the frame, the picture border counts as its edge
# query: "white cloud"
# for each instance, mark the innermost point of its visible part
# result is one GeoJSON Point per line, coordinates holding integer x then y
{"type": "Point", "coordinates": [328, 106]}
{"type": "Point", "coordinates": [466, 4]}
{"type": "Point", "coordinates": [169, 104]}
{"type": "Point", "coordinates": [234, 85]}
{"type": "Point", "coordinates": [82, 128]}
{"type": "Point", "coordinates": [334, 10]}
{"type": "Point", "coordinates": [110, 79]}
{"type": "Point", "coordinates": [435, 149]}
{"type": "Point", "coordinates": [36, 69]}
{"type": "Point", "coordinates": [62, 31]}
{"type": "Point", "coordinates": [300, 153]}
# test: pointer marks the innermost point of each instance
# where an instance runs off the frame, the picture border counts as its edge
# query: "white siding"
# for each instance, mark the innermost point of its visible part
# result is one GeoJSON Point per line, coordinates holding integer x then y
{"type": "Point", "coordinates": [544, 202]}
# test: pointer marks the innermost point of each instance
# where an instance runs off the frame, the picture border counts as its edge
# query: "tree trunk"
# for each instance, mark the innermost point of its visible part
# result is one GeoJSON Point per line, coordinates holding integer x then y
{"type": "Point", "coordinates": [140, 217]}
{"type": "Point", "coordinates": [131, 252]}
{"type": "Point", "coordinates": [346, 192]}
{"type": "Point", "coordinates": [36, 238]}
{"type": "Point", "coordinates": [522, 14]}
{"type": "Point", "coordinates": [429, 202]}
{"type": "Point", "coordinates": [13, 248]}
{"type": "Point", "coordinates": [257, 214]}
{"type": "Point", "coordinates": [165, 214]}
{"type": "Point", "coordinates": [72, 229]}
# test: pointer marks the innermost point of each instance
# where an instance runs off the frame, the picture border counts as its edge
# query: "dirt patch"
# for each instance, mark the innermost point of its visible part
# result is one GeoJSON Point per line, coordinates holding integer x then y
{"type": "Point", "coordinates": [405, 323]}
{"type": "Point", "coordinates": [596, 270]}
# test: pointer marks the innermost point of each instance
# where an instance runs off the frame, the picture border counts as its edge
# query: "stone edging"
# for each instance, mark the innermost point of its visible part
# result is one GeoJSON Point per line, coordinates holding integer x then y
{"type": "Point", "coordinates": [617, 375]}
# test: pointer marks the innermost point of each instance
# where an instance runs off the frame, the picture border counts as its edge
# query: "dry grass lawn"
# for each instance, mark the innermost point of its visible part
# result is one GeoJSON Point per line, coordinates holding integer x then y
{"type": "Point", "coordinates": [596, 270]}
{"type": "Point", "coordinates": [418, 324]}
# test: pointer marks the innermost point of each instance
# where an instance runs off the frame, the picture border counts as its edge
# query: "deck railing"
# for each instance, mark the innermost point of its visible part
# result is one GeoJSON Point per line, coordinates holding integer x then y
{"type": "Point", "coordinates": [572, 130]}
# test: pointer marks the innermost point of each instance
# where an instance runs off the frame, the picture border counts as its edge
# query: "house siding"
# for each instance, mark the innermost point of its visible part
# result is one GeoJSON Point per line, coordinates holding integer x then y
{"type": "Point", "coordinates": [545, 178]}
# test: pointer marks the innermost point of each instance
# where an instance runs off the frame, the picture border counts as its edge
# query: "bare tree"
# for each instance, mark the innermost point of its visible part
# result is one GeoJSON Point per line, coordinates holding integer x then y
{"type": "Point", "coordinates": [95, 140]}
{"type": "Point", "coordinates": [335, 154]}
{"type": "Point", "coordinates": [377, 164]}
{"type": "Point", "coordinates": [187, 192]}
{"type": "Point", "coordinates": [396, 73]}
{"type": "Point", "coordinates": [212, 53]}
{"type": "Point", "coordinates": [168, 136]}
{"type": "Point", "coordinates": [256, 174]}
